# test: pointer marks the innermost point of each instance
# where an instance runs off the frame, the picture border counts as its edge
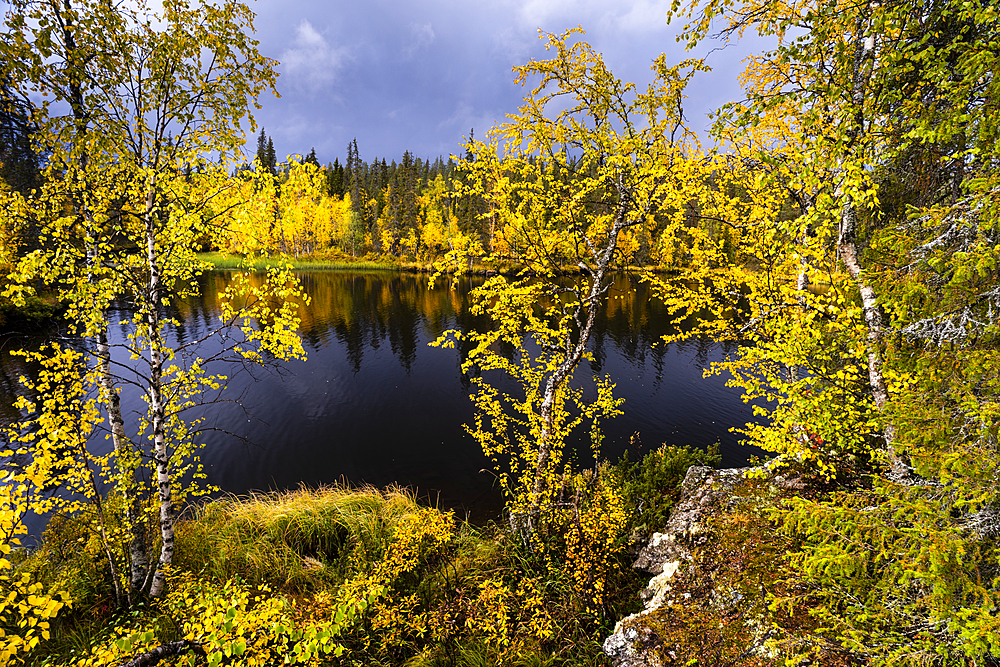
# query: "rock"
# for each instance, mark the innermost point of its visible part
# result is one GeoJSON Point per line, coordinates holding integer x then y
{"type": "Point", "coordinates": [662, 548]}
{"type": "Point", "coordinates": [703, 492]}
{"type": "Point", "coordinates": [659, 586]}
{"type": "Point", "coordinates": [633, 647]}
{"type": "Point", "coordinates": [985, 523]}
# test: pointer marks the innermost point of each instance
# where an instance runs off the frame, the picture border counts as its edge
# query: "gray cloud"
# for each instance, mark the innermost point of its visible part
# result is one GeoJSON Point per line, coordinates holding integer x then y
{"type": "Point", "coordinates": [311, 64]}
{"type": "Point", "coordinates": [417, 76]}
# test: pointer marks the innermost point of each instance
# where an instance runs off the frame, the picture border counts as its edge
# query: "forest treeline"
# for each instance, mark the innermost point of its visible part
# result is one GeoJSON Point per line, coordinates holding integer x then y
{"type": "Point", "coordinates": [412, 210]}
{"type": "Point", "coordinates": [416, 210]}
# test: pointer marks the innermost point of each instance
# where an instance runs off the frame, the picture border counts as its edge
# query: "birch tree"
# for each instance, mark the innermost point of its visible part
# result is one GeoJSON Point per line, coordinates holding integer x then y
{"type": "Point", "coordinates": [830, 116]}
{"type": "Point", "coordinates": [131, 100]}
{"type": "Point", "coordinates": [885, 165]}
{"type": "Point", "coordinates": [586, 158]}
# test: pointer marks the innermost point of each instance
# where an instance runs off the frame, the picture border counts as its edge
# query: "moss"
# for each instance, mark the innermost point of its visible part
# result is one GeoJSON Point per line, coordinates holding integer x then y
{"type": "Point", "coordinates": [720, 606]}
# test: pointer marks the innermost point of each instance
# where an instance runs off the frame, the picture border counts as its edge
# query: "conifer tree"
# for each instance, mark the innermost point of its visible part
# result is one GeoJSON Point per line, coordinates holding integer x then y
{"type": "Point", "coordinates": [265, 153]}
{"type": "Point", "coordinates": [868, 147]}
{"type": "Point", "coordinates": [355, 176]}
{"type": "Point", "coordinates": [335, 178]}
{"type": "Point", "coordinates": [272, 160]}
{"type": "Point", "coordinates": [19, 165]}
{"type": "Point", "coordinates": [262, 147]}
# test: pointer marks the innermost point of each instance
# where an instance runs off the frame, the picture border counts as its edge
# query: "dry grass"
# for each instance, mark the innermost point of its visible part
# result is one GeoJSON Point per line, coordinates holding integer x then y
{"type": "Point", "coordinates": [298, 540]}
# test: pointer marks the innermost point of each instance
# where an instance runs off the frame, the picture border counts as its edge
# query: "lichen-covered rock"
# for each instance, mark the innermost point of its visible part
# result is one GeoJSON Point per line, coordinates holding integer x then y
{"type": "Point", "coordinates": [633, 647]}
{"type": "Point", "coordinates": [704, 491]}
{"type": "Point", "coordinates": [662, 548]}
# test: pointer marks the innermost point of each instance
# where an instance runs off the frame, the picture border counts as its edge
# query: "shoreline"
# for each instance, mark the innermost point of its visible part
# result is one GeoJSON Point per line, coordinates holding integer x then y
{"type": "Point", "coordinates": [222, 262]}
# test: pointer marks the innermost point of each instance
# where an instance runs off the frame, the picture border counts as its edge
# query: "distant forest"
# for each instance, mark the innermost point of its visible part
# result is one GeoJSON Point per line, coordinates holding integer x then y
{"type": "Point", "coordinates": [414, 209]}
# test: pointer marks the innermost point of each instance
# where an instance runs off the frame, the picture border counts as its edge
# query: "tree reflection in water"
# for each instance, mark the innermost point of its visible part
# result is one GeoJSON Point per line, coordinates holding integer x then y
{"type": "Point", "coordinates": [375, 404]}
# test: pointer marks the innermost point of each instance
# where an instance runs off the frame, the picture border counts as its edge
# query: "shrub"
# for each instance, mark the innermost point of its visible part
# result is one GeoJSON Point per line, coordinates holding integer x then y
{"type": "Point", "coordinates": [366, 574]}
{"type": "Point", "coordinates": [34, 312]}
{"type": "Point", "coordinates": [653, 484]}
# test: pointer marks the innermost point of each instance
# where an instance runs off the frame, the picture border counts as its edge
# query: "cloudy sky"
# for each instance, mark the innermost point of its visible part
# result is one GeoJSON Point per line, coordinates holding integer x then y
{"type": "Point", "coordinates": [418, 75]}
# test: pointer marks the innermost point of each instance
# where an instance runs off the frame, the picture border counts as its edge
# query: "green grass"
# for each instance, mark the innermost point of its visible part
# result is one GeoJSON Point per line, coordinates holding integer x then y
{"type": "Point", "coordinates": [297, 540]}
{"type": "Point", "coordinates": [337, 261]}
{"type": "Point", "coordinates": [224, 262]}
{"type": "Point", "coordinates": [306, 544]}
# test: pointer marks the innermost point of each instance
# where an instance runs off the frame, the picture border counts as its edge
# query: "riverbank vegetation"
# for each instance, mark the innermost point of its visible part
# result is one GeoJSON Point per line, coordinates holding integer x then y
{"type": "Point", "coordinates": [363, 576]}
{"type": "Point", "coordinates": [864, 158]}
{"type": "Point", "coordinates": [325, 262]}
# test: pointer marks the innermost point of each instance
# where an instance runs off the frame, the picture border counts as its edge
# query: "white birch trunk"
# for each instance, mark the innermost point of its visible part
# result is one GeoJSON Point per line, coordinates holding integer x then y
{"type": "Point", "coordinates": [157, 409]}
{"type": "Point", "coordinates": [848, 249]}
{"type": "Point", "coordinates": [874, 319]}
{"type": "Point", "coordinates": [135, 524]}
{"type": "Point", "coordinates": [574, 353]}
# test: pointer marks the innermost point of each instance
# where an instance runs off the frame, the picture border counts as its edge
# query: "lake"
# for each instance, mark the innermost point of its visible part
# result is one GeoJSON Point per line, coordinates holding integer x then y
{"type": "Point", "coordinates": [375, 404]}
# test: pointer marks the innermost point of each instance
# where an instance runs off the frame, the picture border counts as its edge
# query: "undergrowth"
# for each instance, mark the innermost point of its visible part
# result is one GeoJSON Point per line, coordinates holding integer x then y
{"type": "Point", "coordinates": [35, 311]}
{"type": "Point", "coordinates": [368, 576]}
{"type": "Point", "coordinates": [653, 483]}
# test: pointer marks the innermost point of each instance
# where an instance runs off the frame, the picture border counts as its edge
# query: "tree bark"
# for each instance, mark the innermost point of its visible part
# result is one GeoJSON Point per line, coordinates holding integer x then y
{"type": "Point", "coordinates": [112, 401]}
{"type": "Point", "coordinates": [566, 368]}
{"type": "Point", "coordinates": [137, 550]}
{"type": "Point", "coordinates": [168, 650]}
{"type": "Point", "coordinates": [157, 409]}
{"type": "Point", "coordinates": [552, 385]}
{"type": "Point", "coordinates": [874, 317]}
{"type": "Point", "coordinates": [847, 241]}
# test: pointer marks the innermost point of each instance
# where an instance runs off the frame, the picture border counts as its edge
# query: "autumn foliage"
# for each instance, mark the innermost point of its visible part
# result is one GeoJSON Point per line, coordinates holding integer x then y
{"type": "Point", "coordinates": [841, 235]}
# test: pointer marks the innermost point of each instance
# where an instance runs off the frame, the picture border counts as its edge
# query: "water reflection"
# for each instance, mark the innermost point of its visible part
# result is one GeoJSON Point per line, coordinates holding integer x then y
{"type": "Point", "coordinates": [375, 404]}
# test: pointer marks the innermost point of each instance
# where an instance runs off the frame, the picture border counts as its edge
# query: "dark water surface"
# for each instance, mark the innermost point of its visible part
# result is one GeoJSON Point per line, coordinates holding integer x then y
{"type": "Point", "coordinates": [374, 404]}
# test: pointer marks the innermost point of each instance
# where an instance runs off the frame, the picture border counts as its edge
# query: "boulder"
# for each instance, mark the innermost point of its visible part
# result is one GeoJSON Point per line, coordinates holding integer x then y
{"type": "Point", "coordinates": [704, 491]}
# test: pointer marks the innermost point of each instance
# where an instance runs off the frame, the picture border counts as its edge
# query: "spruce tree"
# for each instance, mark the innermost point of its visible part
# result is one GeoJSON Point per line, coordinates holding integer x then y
{"type": "Point", "coordinates": [262, 148]}
{"type": "Point", "coordinates": [335, 179]}
{"type": "Point", "coordinates": [272, 160]}
{"type": "Point", "coordinates": [355, 179]}
{"type": "Point", "coordinates": [19, 165]}
{"type": "Point", "coordinates": [348, 168]}
{"type": "Point", "coordinates": [355, 175]}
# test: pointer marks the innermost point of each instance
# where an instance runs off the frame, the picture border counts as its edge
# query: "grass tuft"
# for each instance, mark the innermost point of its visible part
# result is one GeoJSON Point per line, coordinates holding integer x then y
{"type": "Point", "coordinates": [298, 540]}
{"type": "Point", "coordinates": [434, 593]}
